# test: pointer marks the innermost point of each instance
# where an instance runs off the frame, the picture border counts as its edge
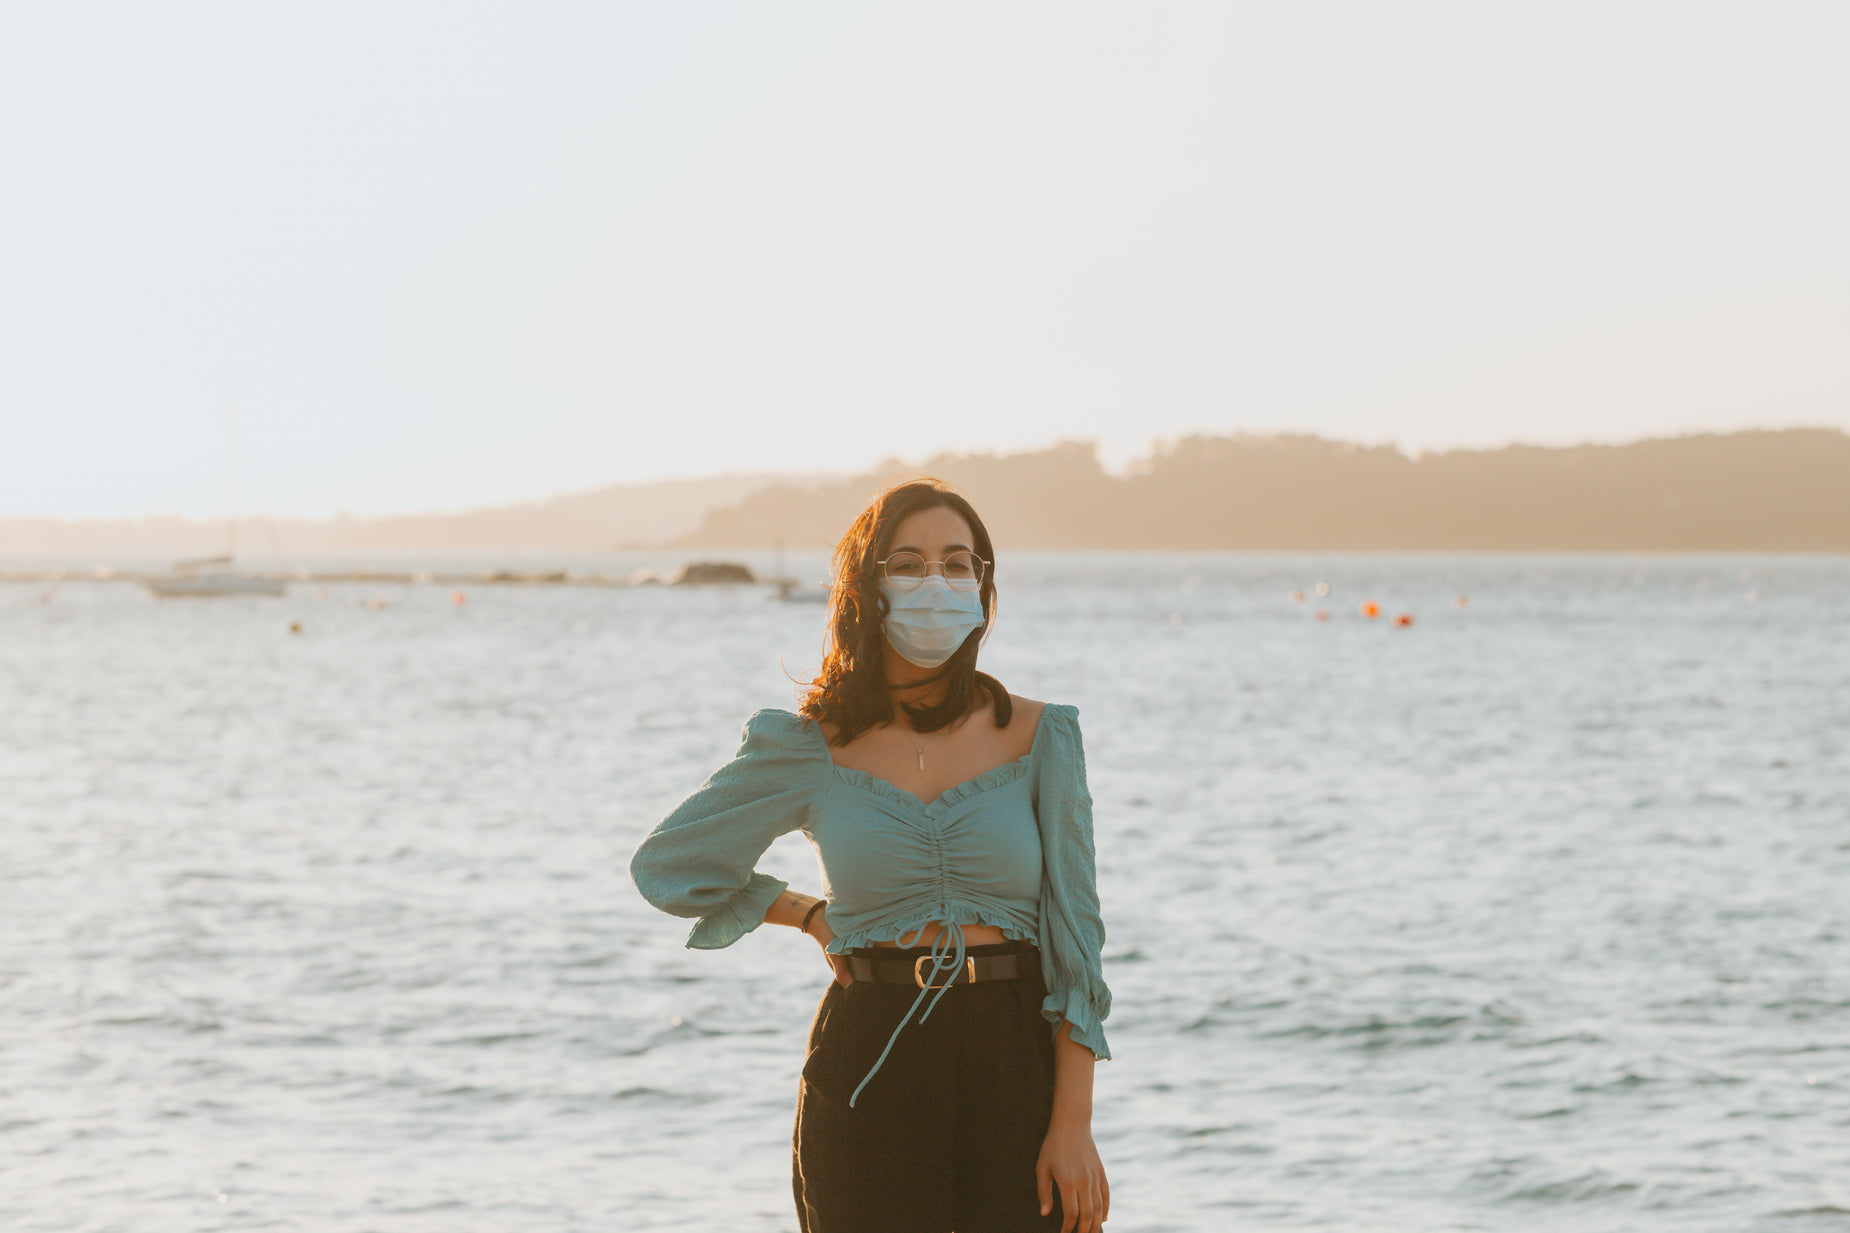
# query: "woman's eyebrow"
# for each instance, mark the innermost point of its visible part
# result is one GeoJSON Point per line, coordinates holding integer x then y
{"type": "Point", "coordinates": [910, 548]}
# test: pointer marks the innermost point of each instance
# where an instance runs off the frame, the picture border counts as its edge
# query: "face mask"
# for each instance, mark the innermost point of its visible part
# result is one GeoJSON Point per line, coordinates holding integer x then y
{"type": "Point", "coordinates": [928, 623]}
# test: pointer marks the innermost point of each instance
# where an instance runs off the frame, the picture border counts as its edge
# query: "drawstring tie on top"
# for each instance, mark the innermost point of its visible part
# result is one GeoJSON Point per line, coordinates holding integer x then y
{"type": "Point", "coordinates": [952, 932]}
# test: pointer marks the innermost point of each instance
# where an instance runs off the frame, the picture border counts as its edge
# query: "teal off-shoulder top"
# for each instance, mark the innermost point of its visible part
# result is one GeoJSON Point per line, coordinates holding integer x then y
{"type": "Point", "coordinates": [1011, 848]}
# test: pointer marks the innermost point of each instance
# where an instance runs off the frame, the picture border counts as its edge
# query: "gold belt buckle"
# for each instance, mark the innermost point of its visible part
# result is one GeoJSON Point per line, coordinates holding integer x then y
{"type": "Point", "coordinates": [918, 972]}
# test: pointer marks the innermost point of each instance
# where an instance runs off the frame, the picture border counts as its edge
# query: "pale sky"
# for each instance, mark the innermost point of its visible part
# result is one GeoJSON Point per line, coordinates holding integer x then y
{"type": "Point", "coordinates": [439, 255]}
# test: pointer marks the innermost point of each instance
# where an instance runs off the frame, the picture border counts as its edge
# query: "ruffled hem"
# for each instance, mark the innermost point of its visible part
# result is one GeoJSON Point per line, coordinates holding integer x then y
{"type": "Point", "coordinates": [898, 930]}
{"type": "Point", "coordinates": [1073, 1007]}
{"type": "Point", "coordinates": [994, 777]}
{"type": "Point", "coordinates": [738, 916]}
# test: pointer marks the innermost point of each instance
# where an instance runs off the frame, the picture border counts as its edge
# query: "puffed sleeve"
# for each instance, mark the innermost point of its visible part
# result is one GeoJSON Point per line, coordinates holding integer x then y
{"type": "Point", "coordinates": [1072, 934]}
{"type": "Point", "coordinates": [699, 860]}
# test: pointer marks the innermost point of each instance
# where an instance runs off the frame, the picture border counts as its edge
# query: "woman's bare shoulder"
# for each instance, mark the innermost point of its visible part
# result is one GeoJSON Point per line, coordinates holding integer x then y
{"type": "Point", "coordinates": [1024, 710]}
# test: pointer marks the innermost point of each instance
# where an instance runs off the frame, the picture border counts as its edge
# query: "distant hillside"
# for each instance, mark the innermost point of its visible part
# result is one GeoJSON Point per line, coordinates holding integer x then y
{"type": "Point", "coordinates": [1768, 491]}
{"type": "Point", "coordinates": [1764, 491]}
{"type": "Point", "coordinates": [624, 515]}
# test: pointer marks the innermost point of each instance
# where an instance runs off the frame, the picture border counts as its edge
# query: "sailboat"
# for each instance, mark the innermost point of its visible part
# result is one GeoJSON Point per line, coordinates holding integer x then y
{"type": "Point", "coordinates": [206, 577]}
{"type": "Point", "coordinates": [209, 577]}
{"type": "Point", "coordinates": [789, 589]}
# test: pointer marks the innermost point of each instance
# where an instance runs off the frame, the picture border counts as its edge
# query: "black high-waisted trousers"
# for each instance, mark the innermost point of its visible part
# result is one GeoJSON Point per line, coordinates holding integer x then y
{"type": "Point", "coordinates": [945, 1136]}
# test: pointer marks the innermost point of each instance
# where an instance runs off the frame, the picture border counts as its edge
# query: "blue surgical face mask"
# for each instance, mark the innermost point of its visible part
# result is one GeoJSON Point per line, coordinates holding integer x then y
{"type": "Point", "coordinates": [928, 622]}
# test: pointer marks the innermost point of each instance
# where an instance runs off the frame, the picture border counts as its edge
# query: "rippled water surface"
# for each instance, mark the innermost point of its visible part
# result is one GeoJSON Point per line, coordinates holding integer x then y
{"type": "Point", "coordinates": [1529, 916]}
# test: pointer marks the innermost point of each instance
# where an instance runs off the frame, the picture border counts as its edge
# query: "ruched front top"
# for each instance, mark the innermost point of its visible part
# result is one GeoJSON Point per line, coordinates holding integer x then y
{"type": "Point", "coordinates": [1011, 848]}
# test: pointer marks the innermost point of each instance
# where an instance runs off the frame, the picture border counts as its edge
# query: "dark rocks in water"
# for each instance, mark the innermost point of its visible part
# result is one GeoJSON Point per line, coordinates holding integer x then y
{"type": "Point", "coordinates": [702, 573]}
{"type": "Point", "coordinates": [508, 576]}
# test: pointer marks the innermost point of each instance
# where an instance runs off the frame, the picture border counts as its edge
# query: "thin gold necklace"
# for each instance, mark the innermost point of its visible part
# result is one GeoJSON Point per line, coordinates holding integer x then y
{"type": "Point", "coordinates": [918, 751]}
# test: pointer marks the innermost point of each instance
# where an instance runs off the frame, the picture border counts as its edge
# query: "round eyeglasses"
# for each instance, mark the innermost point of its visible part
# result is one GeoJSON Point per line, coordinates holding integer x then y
{"type": "Point", "coordinates": [962, 570]}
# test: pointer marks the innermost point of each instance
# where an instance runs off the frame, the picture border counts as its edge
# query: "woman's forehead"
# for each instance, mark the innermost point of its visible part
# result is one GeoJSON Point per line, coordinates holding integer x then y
{"type": "Point", "coordinates": [932, 530]}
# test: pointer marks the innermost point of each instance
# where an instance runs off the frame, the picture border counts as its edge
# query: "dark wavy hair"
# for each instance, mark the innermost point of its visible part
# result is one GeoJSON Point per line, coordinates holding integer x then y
{"type": "Point", "coordinates": [851, 691]}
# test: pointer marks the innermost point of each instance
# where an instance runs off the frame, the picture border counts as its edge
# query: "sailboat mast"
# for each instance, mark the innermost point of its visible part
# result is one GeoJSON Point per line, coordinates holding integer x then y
{"type": "Point", "coordinates": [231, 475]}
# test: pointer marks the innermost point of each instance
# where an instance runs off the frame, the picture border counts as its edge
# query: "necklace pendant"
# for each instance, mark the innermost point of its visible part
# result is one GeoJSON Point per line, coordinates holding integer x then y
{"type": "Point", "coordinates": [921, 757]}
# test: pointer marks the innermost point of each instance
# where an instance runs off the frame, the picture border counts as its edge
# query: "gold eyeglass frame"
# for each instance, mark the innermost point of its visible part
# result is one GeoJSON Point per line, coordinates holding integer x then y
{"type": "Point", "coordinates": [984, 566]}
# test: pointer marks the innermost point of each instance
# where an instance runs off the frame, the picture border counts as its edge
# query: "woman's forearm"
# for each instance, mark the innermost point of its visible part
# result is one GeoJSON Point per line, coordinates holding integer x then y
{"type": "Point", "coordinates": [1069, 1163]}
{"type": "Point", "coordinates": [790, 908]}
{"type": "Point", "coordinates": [1072, 1078]}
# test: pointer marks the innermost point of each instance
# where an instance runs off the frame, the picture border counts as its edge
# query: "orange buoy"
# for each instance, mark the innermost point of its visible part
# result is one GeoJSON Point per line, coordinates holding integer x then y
{"type": "Point", "coordinates": [1403, 620]}
{"type": "Point", "coordinates": [1322, 615]}
{"type": "Point", "coordinates": [1370, 609]}
{"type": "Point", "coordinates": [1462, 600]}
{"type": "Point", "coordinates": [1297, 597]}
{"type": "Point", "coordinates": [458, 598]}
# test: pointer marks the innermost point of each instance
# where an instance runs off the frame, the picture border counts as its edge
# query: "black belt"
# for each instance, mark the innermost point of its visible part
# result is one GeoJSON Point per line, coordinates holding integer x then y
{"type": "Point", "coordinates": [918, 972]}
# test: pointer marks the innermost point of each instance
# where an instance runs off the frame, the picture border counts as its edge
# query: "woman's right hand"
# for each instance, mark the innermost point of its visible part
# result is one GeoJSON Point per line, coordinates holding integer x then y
{"type": "Point", "coordinates": [838, 964]}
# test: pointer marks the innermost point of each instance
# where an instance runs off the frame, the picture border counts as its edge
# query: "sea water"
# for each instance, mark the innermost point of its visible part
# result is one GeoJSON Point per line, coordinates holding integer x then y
{"type": "Point", "coordinates": [1531, 914]}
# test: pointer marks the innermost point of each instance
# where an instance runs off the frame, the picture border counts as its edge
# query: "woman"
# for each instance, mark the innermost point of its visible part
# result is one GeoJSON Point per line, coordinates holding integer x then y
{"type": "Point", "coordinates": [948, 1081]}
